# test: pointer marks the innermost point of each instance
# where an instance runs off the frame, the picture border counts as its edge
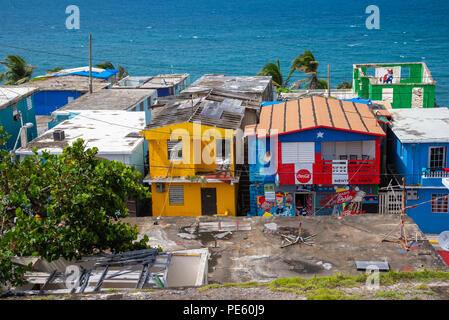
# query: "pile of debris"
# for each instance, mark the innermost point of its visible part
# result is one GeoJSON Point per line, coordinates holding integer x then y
{"type": "Point", "coordinates": [288, 236]}
{"type": "Point", "coordinates": [141, 269]}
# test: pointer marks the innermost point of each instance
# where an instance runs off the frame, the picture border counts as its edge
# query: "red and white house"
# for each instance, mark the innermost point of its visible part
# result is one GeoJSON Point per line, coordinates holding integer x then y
{"type": "Point", "coordinates": [322, 146]}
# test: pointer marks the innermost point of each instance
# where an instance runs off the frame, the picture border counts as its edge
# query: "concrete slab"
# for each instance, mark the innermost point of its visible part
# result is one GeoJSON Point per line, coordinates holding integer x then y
{"type": "Point", "coordinates": [255, 255]}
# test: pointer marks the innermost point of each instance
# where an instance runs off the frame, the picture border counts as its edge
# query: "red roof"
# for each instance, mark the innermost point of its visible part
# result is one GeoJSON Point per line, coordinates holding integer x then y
{"type": "Point", "coordinates": [445, 255]}
{"type": "Point", "coordinates": [314, 112]}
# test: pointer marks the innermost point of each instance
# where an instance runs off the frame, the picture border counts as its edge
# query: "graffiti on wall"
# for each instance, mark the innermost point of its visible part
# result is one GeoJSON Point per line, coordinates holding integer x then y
{"type": "Point", "coordinates": [341, 203]}
{"type": "Point", "coordinates": [282, 206]}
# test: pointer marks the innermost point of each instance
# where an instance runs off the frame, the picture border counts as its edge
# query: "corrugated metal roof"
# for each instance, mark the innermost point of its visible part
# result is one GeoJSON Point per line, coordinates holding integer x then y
{"type": "Point", "coordinates": [312, 112]}
{"type": "Point", "coordinates": [249, 84]}
{"type": "Point", "coordinates": [66, 83]}
{"type": "Point", "coordinates": [13, 94]}
{"type": "Point", "coordinates": [109, 99]}
{"type": "Point", "coordinates": [180, 111]}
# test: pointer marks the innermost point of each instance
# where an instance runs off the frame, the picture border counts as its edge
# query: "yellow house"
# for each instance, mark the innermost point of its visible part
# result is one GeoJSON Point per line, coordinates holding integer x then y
{"type": "Point", "coordinates": [191, 157]}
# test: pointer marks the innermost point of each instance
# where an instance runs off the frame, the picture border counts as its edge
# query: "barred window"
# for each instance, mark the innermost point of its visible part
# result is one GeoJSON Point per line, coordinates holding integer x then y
{"type": "Point", "coordinates": [223, 149]}
{"type": "Point", "coordinates": [437, 157]}
{"type": "Point", "coordinates": [176, 195]}
{"type": "Point", "coordinates": [439, 203]}
{"type": "Point", "coordinates": [174, 149]}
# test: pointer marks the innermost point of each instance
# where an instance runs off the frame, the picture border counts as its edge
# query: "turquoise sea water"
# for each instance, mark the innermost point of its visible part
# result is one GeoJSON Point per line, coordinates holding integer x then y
{"type": "Point", "coordinates": [232, 36]}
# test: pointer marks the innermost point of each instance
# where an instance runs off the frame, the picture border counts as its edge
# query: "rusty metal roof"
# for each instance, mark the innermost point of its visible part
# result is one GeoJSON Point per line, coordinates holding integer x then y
{"type": "Point", "coordinates": [180, 111]}
{"type": "Point", "coordinates": [313, 112]}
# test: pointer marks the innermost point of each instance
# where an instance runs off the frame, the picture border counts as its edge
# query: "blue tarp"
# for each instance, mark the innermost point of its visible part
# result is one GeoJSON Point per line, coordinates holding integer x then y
{"type": "Point", "coordinates": [359, 100]}
{"type": "Point", "coordinates": [101, 75]}
{"type": "Point", "coordinates": [269, 103]}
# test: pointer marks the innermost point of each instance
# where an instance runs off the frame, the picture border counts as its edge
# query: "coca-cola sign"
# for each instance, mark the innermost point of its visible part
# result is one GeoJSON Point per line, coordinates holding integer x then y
{"type": "Point", "coordinates": [303, 176]}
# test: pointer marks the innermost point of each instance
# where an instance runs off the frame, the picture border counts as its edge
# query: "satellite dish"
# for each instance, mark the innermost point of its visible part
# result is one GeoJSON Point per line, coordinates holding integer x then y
{"type": "Point", "coordinates": [445, 182]}
{"type": "Point", "coordinates": [443, 240]}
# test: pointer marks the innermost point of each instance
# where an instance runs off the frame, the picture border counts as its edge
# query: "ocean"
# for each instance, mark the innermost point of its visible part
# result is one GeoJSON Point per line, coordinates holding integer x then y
{"type": "Point", "coordinates": [236, 37]}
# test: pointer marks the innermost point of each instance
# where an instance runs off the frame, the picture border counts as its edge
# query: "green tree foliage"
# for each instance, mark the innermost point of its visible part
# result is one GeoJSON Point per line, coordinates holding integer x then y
{"type": "Point", "coordinates": [122, 72]}
{"type": "Point", "coordinates": [17, 70]}
{"type": "Point", "coordinates": [307, 64]}
{"type": "Point", "coordinates": [274, 70]}
{"type": "Point", "coordinates": [304, 63]}
{"type": "Point", "coordinates": [345, 85]}
{"type": "Point", "coordinates": [66, 205]}
{"type": "Point", "coordinates": [105, 65]}
{"type": "Point", "coordinates": [55, 69]}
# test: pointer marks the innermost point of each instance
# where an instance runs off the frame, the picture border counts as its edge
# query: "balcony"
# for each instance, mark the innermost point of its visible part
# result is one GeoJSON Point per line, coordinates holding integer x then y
{"type": "Point", "coordinates": [358, 171]}
{"type": "Point", "coordinates": [433, 177]}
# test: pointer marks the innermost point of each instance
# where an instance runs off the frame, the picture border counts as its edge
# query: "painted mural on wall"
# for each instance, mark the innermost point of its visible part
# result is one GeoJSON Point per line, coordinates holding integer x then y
{"type": "Point", "coordinates": [282, 206]}
{"type": "Point", "coordinates": [342, 203]}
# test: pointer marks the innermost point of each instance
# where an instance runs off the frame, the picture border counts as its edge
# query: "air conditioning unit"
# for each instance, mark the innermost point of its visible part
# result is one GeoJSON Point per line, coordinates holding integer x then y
{"type": "Point", "coordinates": [58, 135]}
{"type": "Point", "coordinates": [160, 187]}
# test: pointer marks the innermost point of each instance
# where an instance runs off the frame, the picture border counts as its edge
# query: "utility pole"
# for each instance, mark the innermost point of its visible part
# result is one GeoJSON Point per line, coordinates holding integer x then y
{"type": "Point", "coordinates": [403, 232]}
{"type": "Point", "coordinates": [328, 80]}
{"type": "Point", "coordinates": [90, 63]}
{"type": "Point", "coordinates": [403, 240]}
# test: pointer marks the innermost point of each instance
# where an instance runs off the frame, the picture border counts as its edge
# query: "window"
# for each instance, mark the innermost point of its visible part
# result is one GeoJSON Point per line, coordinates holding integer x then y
{"type": "Point", "coordinates": [223, 150]}
{"type": "Point", "coordinates": [298, 152]}
{"type": "Point", "coordinates": [176, 195]}
{"type": "Point", "coordinates": [174, 149]}
{"type": "Point", "coordinates": [412, 194]}
{"type": "Point", "coordinates": [405, 74]}
{"type": "Point", "coordinates": [29, 103]}
{"type": "Point", "coordinates": [437, 158]}
{"type": "Point", "coordinates": [15, 112]}
{"type": "Point", "coordinates": [439, 203]}
{"type": "Point", "coordinates": [387, 94]}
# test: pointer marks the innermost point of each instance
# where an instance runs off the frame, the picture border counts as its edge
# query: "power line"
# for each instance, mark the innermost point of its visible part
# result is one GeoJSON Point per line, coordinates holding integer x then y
{"type": "Point", "coordinates": [161, 66]}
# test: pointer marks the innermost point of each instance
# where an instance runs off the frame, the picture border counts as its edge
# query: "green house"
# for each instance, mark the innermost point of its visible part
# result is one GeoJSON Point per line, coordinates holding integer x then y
{"type": "Point", "coordinates": [405, 85]}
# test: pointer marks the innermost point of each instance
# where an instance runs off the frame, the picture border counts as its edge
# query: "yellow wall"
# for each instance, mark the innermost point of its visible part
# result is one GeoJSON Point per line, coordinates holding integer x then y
{"type": "Point", "coordinates": [158, 157]}
{"type": "Point", "coordinates": [226, 199]}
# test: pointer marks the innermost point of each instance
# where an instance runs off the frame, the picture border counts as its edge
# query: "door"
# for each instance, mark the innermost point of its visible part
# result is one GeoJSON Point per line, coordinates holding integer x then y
{"type": "Point", "coordinates": [305, 203]}
{"type": "Point", "coordinates": [417, 97]}
{"type": "Point", "coordinates": [208, 201]}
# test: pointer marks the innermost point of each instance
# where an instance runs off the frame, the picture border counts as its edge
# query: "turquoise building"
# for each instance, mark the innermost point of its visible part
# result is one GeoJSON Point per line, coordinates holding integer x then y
{"type": "Point", "coordinates": [17, 114]}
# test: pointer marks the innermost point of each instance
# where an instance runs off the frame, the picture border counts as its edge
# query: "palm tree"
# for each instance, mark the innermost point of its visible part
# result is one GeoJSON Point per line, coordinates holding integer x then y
{"type": "Point", "coordinates": [17, 70]}
{"type": "Point", "coordinates": [122, 72]}
{"type": "Point", "coordinates": [307, 64]}
{"type": "Point", "coordinates": [274, 70]}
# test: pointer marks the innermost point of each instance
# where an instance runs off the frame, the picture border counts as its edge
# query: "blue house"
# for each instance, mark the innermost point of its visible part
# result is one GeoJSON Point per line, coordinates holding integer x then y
{"type": "Point", "coordinates": [17, 115]}
{"type": "Point", "coordinates": [419, 150]}
{"type": "Point", "coordinates": [58, 89]}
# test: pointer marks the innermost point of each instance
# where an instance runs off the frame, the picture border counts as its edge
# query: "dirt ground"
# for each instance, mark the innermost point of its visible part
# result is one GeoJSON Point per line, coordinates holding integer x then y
{"type": "Point", "coordinates": [256, 255]}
